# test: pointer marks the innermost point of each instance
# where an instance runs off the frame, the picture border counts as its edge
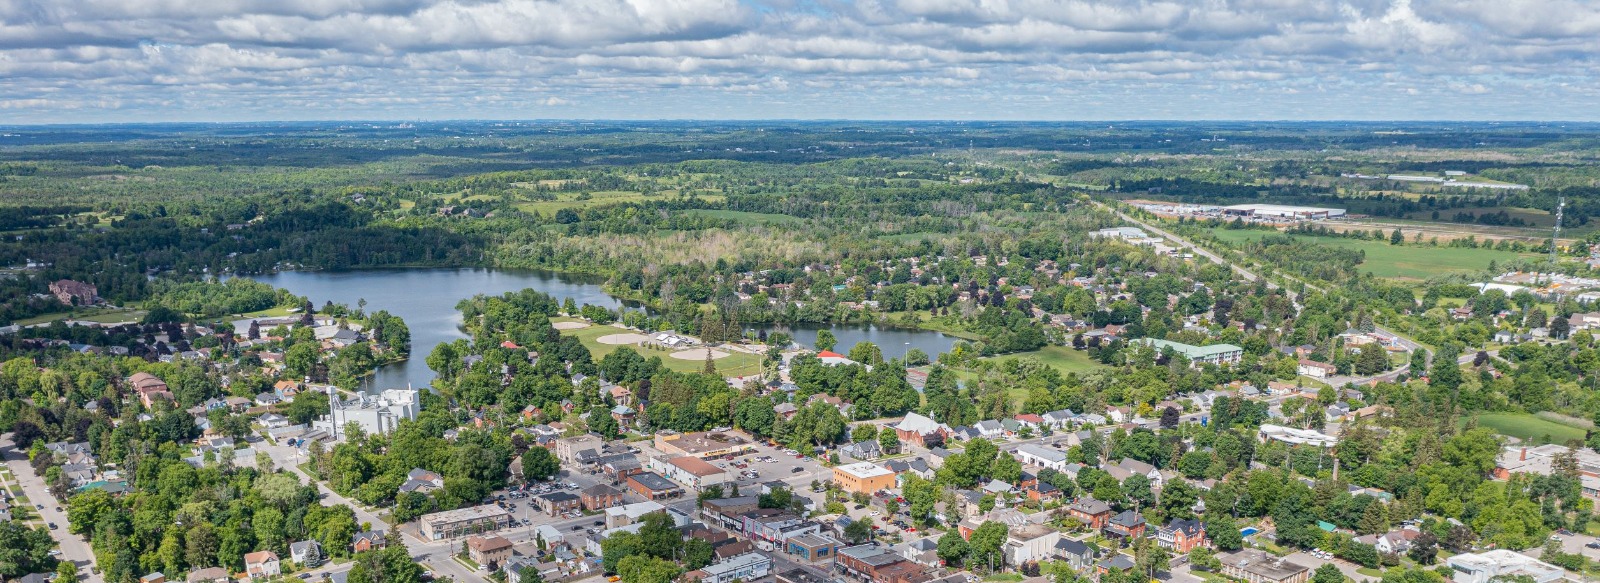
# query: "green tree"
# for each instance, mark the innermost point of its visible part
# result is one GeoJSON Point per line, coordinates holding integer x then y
{"type": "Point", "coordinates": [538, 463]}
{"type": "Point", "coordinates": [1328, 572]}
{"type": "Point", "coordinates": [952, 548]}
{"type": "Point", "coordinates": [889, 441]}
{"type": "Point", "coordinates": [825, 340]}
{"type": "Point", "coordinates": [864, 432]}
{"type": "Point", "coordinates": [986, 542]}
{"type": "Point", "coordinates": [859, 531]}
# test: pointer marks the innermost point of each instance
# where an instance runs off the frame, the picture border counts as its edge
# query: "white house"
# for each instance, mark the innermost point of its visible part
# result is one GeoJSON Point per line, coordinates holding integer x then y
{"type": "Point", "coordinates": [1040, 456]}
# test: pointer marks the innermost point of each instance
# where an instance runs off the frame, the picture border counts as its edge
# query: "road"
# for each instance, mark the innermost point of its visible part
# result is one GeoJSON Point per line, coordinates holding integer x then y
{"type": "Point", "coordinates": [73, 548]}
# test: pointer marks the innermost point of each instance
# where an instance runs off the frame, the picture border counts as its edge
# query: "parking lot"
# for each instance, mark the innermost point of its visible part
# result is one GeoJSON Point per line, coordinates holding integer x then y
{"type": "Point", "coordinates": [763, 463]}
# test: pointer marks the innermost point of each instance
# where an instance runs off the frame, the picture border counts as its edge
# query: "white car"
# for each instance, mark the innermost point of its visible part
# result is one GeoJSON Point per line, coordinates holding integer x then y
{"type": "Point", "coordinates": [873, 513]}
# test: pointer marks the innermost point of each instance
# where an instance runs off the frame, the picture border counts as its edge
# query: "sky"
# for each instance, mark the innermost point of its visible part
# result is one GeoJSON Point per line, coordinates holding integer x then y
{"type": "Point", "coordinates": [90, 61]}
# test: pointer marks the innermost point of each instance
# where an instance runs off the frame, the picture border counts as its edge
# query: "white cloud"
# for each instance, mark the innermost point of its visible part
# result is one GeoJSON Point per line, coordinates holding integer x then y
{"type": "Point", "coordinates": [804, 58]}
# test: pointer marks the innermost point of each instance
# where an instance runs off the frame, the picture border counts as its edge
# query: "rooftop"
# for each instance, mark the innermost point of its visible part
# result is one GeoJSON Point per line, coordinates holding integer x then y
{"type": "Point", "coordinates": [863, 470]}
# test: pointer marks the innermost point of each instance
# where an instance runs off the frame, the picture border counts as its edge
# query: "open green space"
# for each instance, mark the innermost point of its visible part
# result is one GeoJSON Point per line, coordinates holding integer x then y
{"type": "Point", "coordinates": [90, 314]}
{"type": "Point", "coordinates": [735, 364]}
{"type": "Point", "coordinates": [1063, 358]}
{"type": "Point", "coordinates": [744, 218]}
{"type": "Point", "coordinates": [1397, 261]}
{"type": "Point", "coordinates": [569, 200]}
{"type": "Point", "coordinates": [1528, 427]}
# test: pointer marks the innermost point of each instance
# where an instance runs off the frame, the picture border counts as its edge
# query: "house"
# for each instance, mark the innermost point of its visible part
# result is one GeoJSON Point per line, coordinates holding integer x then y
{"type": "Point", "coordinates": [208, 575]}
{"type": "Point", "coordinates": [1396, 541]}
{"type": "Point", "coordinates": [1182, 536]}
{"type": "Point", "coordinates": [514, 568]}
{"type": "Point", "coordinates": [786, 410]}
{"type": "Point", "coordinates": [306, 553]}
{"type": "Point", "coordinates": [368, 540]}
{"type": "Point", "coordinates": [914, 466]}
{"type": "Point", "coordinates": [624, 415]}
{"type": "Point", "coordinates": [273, 421]}
{"type": "Point", "coordinates": [1059, 419]}
{"type": "Point", "coordinates": [1074, 553]}
{"type": "Point", "coordinates": [1257, 566]}
{"type": "Point", "coordinates": [862, 450]}
{"type": "Point", "coordinates": [267, 399]}
{"type": "Point", "coordinates": [1128, 525]}
{"type": "Point", "coordinates": [489, 551]}
{"type": "Point", "coordinates": [1317, 370]}
{"type": "Point", "coordinates": [156, 577]}
{"type": "Point", "coordinates": [558, 502]}
{"type": "Point", "coordinates": [150, 389]}
{"type": "Point", "coordinates": [422, 481]}
{"type": "Point", "coordinates": [1093, 513]}
{"type": "Point", "coordinates": [599, 497]}
{"type": "Point", "coordinates": [569, 449]}
{"type": "Point", "coordinates": [262, 565]}
{"type": "Point", "coordinates": [1040, 456]}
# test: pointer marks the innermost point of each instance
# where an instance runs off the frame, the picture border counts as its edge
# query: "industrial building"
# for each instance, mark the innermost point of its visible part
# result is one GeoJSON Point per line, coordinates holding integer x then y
{"type": "Point", "coordinates": [1282, 211]}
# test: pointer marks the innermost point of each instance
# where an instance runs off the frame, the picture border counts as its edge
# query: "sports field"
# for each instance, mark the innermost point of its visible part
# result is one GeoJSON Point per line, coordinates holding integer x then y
{"type": "Point", "coordinates": [734, 364]}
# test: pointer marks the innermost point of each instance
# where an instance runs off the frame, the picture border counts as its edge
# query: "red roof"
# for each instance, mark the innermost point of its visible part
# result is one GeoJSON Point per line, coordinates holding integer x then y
{"type": "Point", "coordinates": [1030, 417]}
{"type": "Point", "coordinates": [829, 354]}
{"type": "Point", "coordinates": [509, 344]}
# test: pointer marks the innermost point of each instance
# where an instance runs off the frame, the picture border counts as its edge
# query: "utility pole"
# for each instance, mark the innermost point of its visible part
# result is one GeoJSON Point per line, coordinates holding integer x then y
{"type": "Point", "coordinates": [1561, 205]}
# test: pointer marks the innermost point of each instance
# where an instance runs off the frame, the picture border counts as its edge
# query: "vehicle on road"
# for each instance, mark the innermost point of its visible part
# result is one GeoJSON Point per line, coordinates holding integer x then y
{"type": "Point", "coordinates": [52, 526]}
{"type": "Point", "coordinates": [55, 552]}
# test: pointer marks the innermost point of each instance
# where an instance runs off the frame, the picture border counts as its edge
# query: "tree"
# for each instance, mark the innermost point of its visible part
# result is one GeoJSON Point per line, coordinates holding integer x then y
{"type": "Point", "coordinates": [1328, 572]}
{"type": "Point", "coordinates": [864, 432]}
{"type": "Point", "coordinates": [538, 463]}
{"type": "Point", "coordinates": [889, 441]}
{"type": "Point", "coordinates": [825, 340]}
{"type": "Point", "coordinates": [952, 548]}
{"type": "Point", "coordinates": [1223, 531]}
{"type": "Point", "coordinates": [647, 569]}
{"type": "Point", "coordinates": [858, 531]}
{"type": "Point", "coordinates": [1396, 237]}
{"type": "Point", "coordinates": [985, 544]}
{"type": "Point", "coordinates": [1424, 549]}
{"type": "Point", "coordinates": [1169, 417]}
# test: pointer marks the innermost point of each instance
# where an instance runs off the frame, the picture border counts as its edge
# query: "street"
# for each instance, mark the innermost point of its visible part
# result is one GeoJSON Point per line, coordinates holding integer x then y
{"type": "Point", "coordinates": [73, 548]}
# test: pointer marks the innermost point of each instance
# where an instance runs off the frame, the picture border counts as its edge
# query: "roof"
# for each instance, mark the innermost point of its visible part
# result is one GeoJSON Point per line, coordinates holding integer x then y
{"type": "Point", "coordinates": [695, 466]}
{"type": "Point", "coordinates": [1128, 518]}
{"type": "Point", "coordinates": [1264, 564]}
{"type": "Point", "coordinates": [1190, 351]}
{"type": "Point", "coordinates": [488, 544]}
{"type": "Point", "coordinates": [1043, 453]}
{"type": "Point", "coordinates": [652, 481]}
{"type": "Point", "coordinates": [1072, 547]}
{"type": "Point", "coordinates": [260, 557]}
{"type": "Point", "coordinates": [918, 424]}
{"type": "Point", "coordinates": [863, 470]}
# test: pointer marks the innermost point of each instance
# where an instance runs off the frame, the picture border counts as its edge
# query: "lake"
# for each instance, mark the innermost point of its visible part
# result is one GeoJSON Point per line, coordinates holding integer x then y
{"type": "Point", "coordinates": [426, 299]}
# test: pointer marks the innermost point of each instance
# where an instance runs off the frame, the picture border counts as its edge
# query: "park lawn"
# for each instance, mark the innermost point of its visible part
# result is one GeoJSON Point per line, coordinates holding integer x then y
{"type": "Point", "coordinates": [1398, 261]}
{"type": "Point", "coordinates": [101, 315]}
{"type": "Point", "coordinates": [1529, 427]}
{"type": "Point", "coordinates": [277, 312]}
{"type": "Point", "coordinates": [735, 364]}
{"type": "Point", "coordinates": [1063, 358]}
{"type": "Point", "coordinates": [744, 218]}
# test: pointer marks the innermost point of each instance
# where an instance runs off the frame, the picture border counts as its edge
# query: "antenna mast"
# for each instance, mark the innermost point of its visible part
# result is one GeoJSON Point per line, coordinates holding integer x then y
{"type": "Point", "coordinates": [1561, 204]}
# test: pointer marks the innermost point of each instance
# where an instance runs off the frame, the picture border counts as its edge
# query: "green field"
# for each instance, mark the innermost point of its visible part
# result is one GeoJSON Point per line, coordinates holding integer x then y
{"type": "Point", "coordinates": [744, 218]}
{"type": "Point", "coordinates": [1063, 358]}
{"type": "Point", "coordinates": [1398, 261]}
{"type": "Point", "coordinates": [101, 315]}
{"type": "Point", "coordinates": [735, 364]}
{"type": "Point", "coordinates": [1528, 427]}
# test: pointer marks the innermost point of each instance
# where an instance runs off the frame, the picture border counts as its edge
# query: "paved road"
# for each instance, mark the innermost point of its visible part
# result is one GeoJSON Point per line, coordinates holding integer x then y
{"type": "Point", "coordinates": [73, 548]}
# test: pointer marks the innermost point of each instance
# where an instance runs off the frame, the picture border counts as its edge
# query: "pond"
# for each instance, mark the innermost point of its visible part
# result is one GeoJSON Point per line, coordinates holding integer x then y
{"type": "Point", "coordinates": [426, 299]}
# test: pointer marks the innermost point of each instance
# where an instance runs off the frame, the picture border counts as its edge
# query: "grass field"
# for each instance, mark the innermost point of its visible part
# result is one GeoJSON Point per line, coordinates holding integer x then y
{"type": "Point", "coordinates": [745, 218]}
{"type": "Point", "coordinates": [102, 315]}
{"type": "Point", "coordinates": [735, 364]}
{"type": "Point", "coordinates": [1062, 358]}
{"type": "Point", "coordinates": [1398, 261]}
{"type": "Point", "coordinates": [1529, 427]}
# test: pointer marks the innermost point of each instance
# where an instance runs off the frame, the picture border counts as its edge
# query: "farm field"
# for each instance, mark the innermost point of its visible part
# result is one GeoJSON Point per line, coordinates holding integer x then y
{"type": "Point", "coordinates": [1528, 427]}
{"type": "Point", "coordinates": [569, 200]}
{"type": "Point", "coordinates": [1399, 261]}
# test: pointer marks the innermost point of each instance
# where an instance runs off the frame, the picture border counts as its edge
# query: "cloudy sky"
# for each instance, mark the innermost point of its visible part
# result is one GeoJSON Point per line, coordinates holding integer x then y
{"type": "Point", "coordinates": [175, 60]}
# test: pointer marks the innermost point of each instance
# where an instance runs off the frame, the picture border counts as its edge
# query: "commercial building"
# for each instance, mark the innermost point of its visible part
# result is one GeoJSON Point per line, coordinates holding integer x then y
{"type": "Point", "coordinates": [1040, 456]}
{"type": "Point", "coordinates": [558, 502]}
{"type": "Point", "coordinates": [374, 414]}
{"type": "Point", "coordinates": [653, 487]}
{"type": "Point", "coordinates": [570, 449]}
{"type": "Point", "coordinates": [694, 473]}
{"type": "Point", "coordinates": [600, 497]}
{"type": "Point", "coordinates": [1500, 563]}
{"type": "Point", "coordinates": [813, 547]}
{"type": "Point", "coordinates": [1283, 211]}
{"type": "Point", "coordinates": [1296, 436]}
{"type": "Point", "coordinates": [1316, 370]}
{"type": "Point", "coordinates": [620, 516]}
{"type": "Point", "coordinates": [746, 567]}
{"type": "Point", "coordinates": [706, 444]}
{"type": "Point", "coordinates": [1256, 566]}
{"type": "Point", "coordinates": [464, 521]}
{"type": "Point", "coordinates": [1029, 543]}
{"type": "Point", "coordinates": [1218, 354]}
{"type": "Point", "coordinates": [863, 477]}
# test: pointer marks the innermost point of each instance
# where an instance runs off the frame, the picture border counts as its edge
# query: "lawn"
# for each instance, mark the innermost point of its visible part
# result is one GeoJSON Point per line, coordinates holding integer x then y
{"type": "Point", "coordinates": [101, 315]}
{"type": "Point", "coordinates": [1398, 261]}
{"type": "Point", "coordinates": [1063, 358]}
{"type": "Point", "coordinates": [736, 364]}
{"type": "Point", "coordinates": [744, 218]}
{"type": "Point", "coordinates": [1529, 427]}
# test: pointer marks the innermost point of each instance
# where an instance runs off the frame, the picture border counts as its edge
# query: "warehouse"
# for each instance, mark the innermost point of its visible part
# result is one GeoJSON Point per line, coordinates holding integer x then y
{"type": "Point", "coordinates": [1282, 211]}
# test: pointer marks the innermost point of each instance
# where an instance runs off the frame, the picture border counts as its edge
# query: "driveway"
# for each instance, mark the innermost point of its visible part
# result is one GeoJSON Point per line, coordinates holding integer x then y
{"type": "Point", "coordinates": [73, 548]}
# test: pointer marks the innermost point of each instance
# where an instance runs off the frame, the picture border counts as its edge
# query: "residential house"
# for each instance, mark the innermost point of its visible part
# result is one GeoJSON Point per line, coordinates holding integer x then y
{"type": "Point", "coordinates": [262, 565]}
{"type": "Point", "coordinates": [558, 502]}
{"type": "Point", "coordinates": [1093, 513]}
{"type": "Point", "coordinates": [367, 540]}
{"type": "Point", "coordinates": [1128, 525]}
{"type": "Point", "coordinates": [1317, 370]}
{"type": "Point", "coordinates": [862, 450]}
{"type": "Point", "coordinates": [1182, 536]}
{"type": "Point", "coordinates": [1074, 553]}
{"type": "Point", "coordinates": [599, 497]}
{"type": "Point", "coordinates": [306, 553]}
{"type": "Point", "coordinates": [422, 481]}
{"type": "Point", "coordinates": [208, 575]}
{"type": "Point", "coordinates": [489, 551]}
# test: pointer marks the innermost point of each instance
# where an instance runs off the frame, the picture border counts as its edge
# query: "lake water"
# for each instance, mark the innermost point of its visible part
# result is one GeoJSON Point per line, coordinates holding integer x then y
{"type": "Point", "coordinates": [426, 299]}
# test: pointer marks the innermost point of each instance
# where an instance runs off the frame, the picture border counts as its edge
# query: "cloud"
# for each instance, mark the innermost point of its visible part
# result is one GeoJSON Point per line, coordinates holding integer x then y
{"type": "Point", "coordinates": [84, 60]}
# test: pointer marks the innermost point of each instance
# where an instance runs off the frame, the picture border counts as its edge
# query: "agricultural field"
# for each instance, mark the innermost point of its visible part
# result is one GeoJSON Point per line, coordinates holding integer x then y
{"type": "Point", "coordinates": [1407, 261]}
{"type": "Point", "coordinates": [744, 218]}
